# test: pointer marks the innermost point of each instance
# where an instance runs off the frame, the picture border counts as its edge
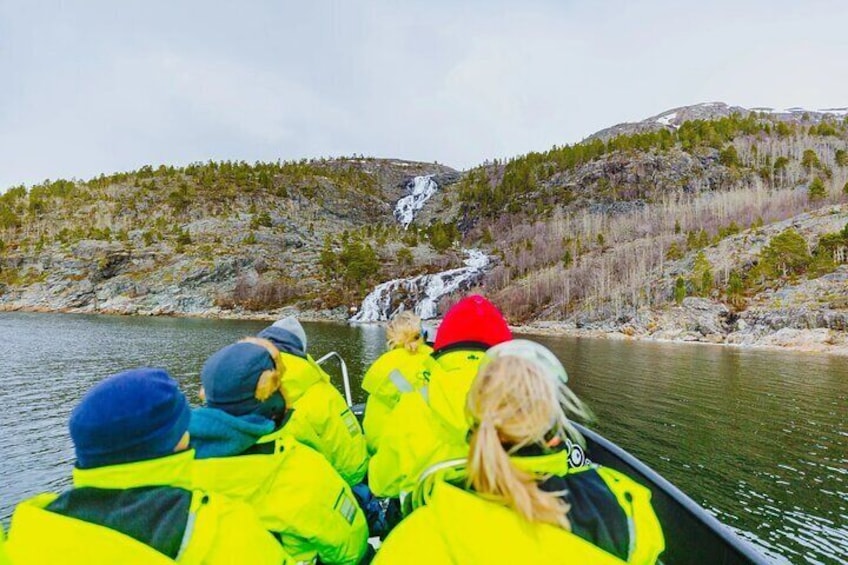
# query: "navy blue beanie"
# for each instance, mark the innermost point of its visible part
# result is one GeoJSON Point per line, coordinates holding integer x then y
{"type": "Point", "coordinates": [132, 416]}
{"type": "Point", "coordinates": [230, 377]}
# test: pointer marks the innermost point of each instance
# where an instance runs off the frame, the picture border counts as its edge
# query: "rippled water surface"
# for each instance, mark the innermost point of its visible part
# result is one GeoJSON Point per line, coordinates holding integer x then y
{"type": "Point", "coordinates": [760, 438]}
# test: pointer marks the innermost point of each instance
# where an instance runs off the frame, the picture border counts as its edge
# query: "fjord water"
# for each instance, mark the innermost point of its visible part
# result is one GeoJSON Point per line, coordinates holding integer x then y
{"type": "Point", "coordinates": [760, 438]}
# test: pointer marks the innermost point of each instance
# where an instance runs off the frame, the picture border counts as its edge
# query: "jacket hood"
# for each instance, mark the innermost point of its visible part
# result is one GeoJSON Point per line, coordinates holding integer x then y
{"type": "Point", "coordinates": [286, 339]}
{"type": "Point", "coordinates": [215, 433]}
{"type": "Point", "coordinates": [300, 374]}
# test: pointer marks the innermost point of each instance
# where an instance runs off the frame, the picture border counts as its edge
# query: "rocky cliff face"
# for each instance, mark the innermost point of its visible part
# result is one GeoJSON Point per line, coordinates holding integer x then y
{"type": "Point", "coordinates": [802, 313]}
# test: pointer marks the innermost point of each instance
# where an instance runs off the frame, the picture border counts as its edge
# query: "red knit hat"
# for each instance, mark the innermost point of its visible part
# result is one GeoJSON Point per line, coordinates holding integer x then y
{"type": "Point", "coordinates": [472, 319]}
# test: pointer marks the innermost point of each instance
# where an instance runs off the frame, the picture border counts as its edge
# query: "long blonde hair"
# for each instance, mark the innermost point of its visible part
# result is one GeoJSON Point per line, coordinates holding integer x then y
{"type": "Point", "coordinates": [514, 403]}
{"type": "Point", "coordinates": [404, 331]}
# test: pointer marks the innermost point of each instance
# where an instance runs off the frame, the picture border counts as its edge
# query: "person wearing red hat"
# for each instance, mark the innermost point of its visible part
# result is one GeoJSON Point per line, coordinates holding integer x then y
{"type": "Point", "coordinates": [429, 425]}
{"type": "Point", "coordinates": [473, 323]}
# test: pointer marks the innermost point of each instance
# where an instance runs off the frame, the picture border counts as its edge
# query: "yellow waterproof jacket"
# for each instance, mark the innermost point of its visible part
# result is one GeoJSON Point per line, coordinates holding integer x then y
{"type": "Point", "coordinates": [460, 527]}
{"type": "Point", "coordinates": [217, 531]}
{"type": "Point", "coordinates": [450, 377]}
{"type": "Point", "coordinates": [297, 495]}
{"type": "Point", "coordinates": [426, 426]}
{"type": "Point", "coordinates": [322, 419]}
{"type": "Point", "coordinates": [393, 373]}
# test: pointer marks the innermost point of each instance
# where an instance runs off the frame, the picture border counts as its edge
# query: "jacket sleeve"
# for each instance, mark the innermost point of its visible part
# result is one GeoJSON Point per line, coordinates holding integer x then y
{"type": "Point", "coordinates": [339, 434]}
{"type": "Point", "coordinates": [648, 541]}
{"type": "Point", "coordinates": [320, 512]}
{"type": "Point", "coordinates": [226, 531]}
{"type": "Point", "coordinates": [376, 414]}
{"type": "Point", "coordinates": [406, 448]}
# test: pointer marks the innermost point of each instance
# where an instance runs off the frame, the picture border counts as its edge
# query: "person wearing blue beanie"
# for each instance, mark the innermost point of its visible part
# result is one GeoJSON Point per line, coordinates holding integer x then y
{"type": "Point", "coordinates": [320, 416]}
{"type": "Point", "coordinates": [133, 499]}
{"type": "Point", "coordinates": [135, 415]}
{"type": "Point", "coordinates": [245, 449]}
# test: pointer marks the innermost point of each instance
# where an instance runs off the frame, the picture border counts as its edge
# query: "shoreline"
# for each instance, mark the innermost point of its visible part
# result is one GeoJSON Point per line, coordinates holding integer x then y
{"type": "Point", "coordinates": [815, 341]}
{"type": "Point", "coordinates": [799, 341]}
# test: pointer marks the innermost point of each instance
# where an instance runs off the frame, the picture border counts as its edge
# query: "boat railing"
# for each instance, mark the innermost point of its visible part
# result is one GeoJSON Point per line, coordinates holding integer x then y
{"type": "Point", "coordinates": [345, 376]}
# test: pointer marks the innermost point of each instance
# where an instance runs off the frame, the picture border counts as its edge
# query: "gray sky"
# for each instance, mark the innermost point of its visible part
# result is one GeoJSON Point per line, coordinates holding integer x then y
{"type": "Point", "coordinates": [90, 87]}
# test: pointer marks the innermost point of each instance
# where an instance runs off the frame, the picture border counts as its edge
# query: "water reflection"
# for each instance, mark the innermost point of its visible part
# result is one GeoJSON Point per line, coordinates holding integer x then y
{"type": "Point", "coordinates": [757, 437]}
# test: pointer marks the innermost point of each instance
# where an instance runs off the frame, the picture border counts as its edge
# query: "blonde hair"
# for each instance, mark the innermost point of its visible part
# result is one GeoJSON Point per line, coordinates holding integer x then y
{"type": "Point", "coordinates": [513, 404]}
{"type": "Point", "coordinates": [404, 331]}
{"type": "Point", "coordinates": [271, 380]}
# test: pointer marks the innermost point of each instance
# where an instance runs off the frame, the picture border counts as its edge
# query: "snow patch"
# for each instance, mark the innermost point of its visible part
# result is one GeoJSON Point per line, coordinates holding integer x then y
{"type": "Point", "coordinates": [666, 120]}
{"type": "Point", "coordinates": [422, 188]}
{"type": "Point", "coordinates": [427, 290]}
{"type": "Point", "coordinates": [834, 111]}
{"type": "Point", "coordinates": [799, 110]}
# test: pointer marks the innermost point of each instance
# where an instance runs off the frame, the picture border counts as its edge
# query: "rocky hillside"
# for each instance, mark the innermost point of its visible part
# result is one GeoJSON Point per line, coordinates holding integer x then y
{"type": "Point", "coordinates": [212, 238]}
{"type": "Point", "coordinates": [708, 111]}
{"type": "Point", "coordinates": [709, 222]}
{"type": "Point", "coordinates": [741, 210]}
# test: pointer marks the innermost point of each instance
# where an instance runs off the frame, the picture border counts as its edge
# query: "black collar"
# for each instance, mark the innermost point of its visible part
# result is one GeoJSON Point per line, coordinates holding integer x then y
{"type": "Point", "coordinates": [460, 346]}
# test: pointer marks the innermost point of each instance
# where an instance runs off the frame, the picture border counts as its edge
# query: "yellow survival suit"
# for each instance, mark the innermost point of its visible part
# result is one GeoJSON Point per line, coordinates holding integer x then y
{"type": "Point", "coordinates": [133, 499]}
{"type": "Point", "coordinates": [245, 449]}
{"type": "Point", "coordinates": [320, 416]}
{"type": "Point", "coordinates": [612, 521]}
{"type": "Point", "coordinates": [151, 499]}
{"type": "Point", "coordinates": [393, 373]}
{"type": "Point", "coordinates": [429, 425]}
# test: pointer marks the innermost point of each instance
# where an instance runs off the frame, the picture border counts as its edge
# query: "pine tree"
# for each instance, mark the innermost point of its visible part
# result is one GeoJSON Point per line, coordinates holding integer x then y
{"type": "Point", "coordinates": [729, 157]}
{"type": "Point", "coordinates": [735, 289]}
{"type": "Point", "coordinates": [817, 190]}
{"type": "Point", "coordinates": [786, 254]}
{"type": "Point", "coordinates": [810, 161]}
{"type": "Point", "coordinates": [702, 274]}
{"type": "Point", "coordinates": [679, 290]}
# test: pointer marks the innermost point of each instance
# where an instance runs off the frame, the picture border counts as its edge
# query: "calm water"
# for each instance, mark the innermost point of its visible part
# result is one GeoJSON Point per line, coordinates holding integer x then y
{"type": "Point", "coordinates": [759, 438]}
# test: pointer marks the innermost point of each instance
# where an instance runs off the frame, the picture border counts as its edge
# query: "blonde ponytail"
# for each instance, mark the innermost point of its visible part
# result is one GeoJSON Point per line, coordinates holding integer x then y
{"type": "Point", "coordinates": [404, 331]}
{"type": "Point", "coordinates": [512, 403]}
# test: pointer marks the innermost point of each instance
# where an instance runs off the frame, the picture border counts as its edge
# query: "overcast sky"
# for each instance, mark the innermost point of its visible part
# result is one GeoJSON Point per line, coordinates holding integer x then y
{"type": "Point", "coordinates": [89, 87]}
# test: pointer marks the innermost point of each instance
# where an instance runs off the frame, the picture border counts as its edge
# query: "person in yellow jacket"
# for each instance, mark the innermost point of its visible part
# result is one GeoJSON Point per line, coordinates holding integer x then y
{"type": "Point", "coordinates": [320, 416]}
{"type": "Point", "coordinates": [243, 450]}
{"type": "Point", "coordinates": [393, 373]}
{"type": "Point", "coordinates": [514, 499]}
{"type": "Point", "coordinates": [429, 425]}
{"type": "Point", "coordinates": [133, 501]}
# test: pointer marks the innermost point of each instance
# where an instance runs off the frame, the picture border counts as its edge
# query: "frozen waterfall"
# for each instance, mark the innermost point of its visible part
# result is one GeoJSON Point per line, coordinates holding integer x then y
{"type": "Point", "coordinates": [422, 189]}
{"type": "Point", "coordinates": [421, 293]}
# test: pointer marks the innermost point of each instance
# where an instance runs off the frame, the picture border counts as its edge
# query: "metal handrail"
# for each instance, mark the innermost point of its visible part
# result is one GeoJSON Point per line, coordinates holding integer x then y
{"type": "Point", "coordinates": [345, 377]}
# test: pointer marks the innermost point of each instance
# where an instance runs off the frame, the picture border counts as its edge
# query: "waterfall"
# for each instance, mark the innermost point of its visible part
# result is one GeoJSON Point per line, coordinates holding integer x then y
{"type": "Point", "coordinates": [422, 293]}
{"type": "Point", "coordinates": [422, 189]}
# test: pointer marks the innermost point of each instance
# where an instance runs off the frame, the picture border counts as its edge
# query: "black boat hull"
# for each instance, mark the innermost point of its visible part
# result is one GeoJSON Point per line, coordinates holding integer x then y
{"type": "Point", "coordinates": [692, 535]}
